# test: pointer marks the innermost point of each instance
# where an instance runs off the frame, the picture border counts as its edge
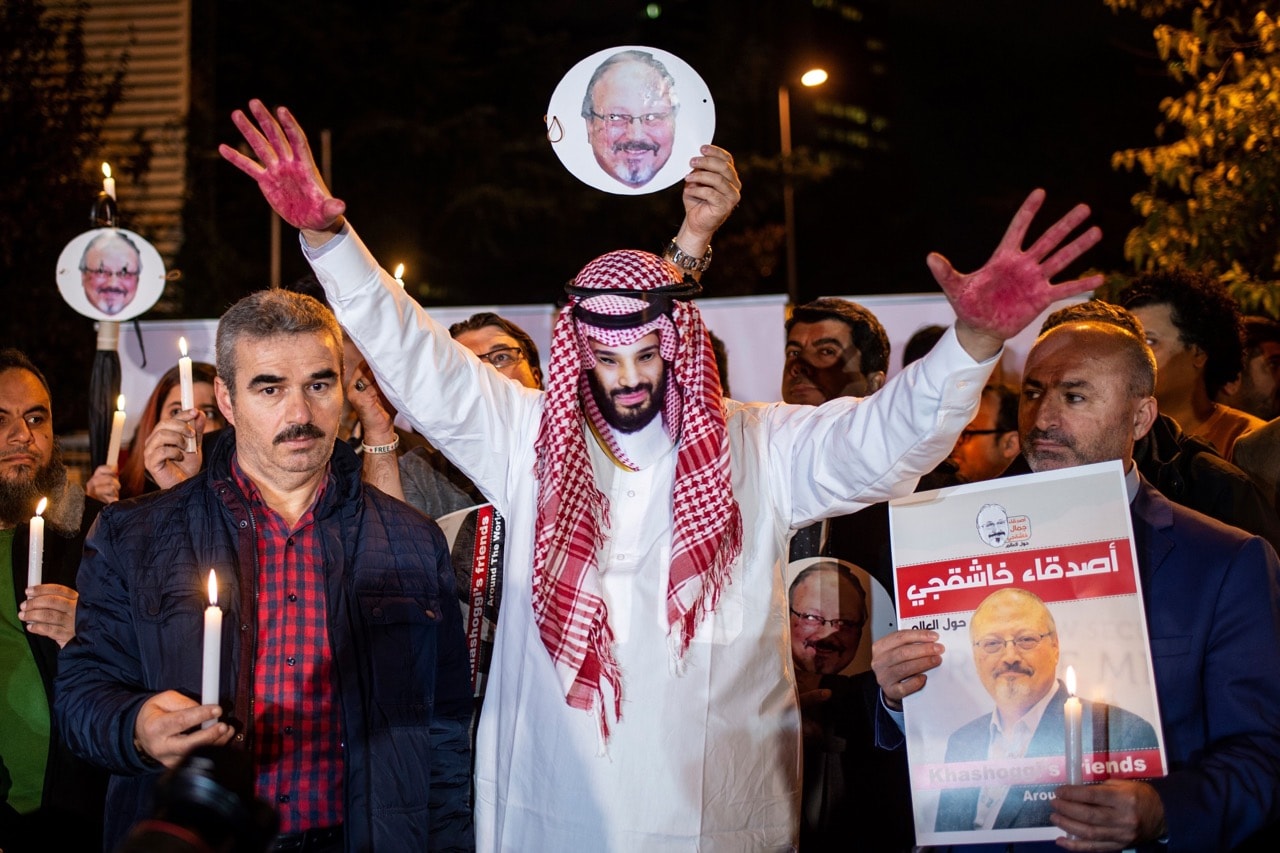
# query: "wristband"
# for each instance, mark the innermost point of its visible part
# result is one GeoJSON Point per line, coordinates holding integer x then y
{"type": "Point", "coordinates": [685, 261]}
{"type": "Point", "coordinates": [375, 449]}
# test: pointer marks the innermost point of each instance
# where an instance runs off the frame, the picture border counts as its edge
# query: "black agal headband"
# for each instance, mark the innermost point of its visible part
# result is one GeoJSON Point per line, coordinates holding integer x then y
{"type": "Point", "coordinates": [657, 302]}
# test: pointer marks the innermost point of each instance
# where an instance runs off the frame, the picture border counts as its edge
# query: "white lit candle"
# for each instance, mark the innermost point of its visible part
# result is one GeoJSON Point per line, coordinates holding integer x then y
{"type": "Point", "coordinates": [117, 433]}
{"type": "Point", "coordinates": [35, 548]}
{"type": "Point", "coordinates": [400, 274]}
{"type": "Point", "coordinates": [1071, 711]}
{"type": "Point", "coordinates": [188, 392]}
{"type": "Point", "coordinates": [108, 182]}
{"type": "Point", "coordinates": [212, 668]}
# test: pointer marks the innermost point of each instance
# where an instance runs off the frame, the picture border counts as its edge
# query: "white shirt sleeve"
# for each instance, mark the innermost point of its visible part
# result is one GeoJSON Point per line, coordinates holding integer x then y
{"type": "Point", "coordinates": [483, 422]}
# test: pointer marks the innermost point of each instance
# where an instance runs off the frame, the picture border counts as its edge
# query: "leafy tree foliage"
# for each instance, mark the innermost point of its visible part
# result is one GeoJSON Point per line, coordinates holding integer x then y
{"type": "Point", "coordinates": [52, 108]}
{"type": "Point", "coordinates": [1215, 179]}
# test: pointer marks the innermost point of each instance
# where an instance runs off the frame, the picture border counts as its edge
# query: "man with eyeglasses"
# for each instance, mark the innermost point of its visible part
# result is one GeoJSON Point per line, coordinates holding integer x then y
{"type": "Point", "coordinates": [828, 612]}
{"type": "Point", "coordinates": [630, 109]}
{"type": "Point", "coordinates": [497, 341]}
{"type": "Point", "coordinates": [990, 441]}
{"type": "Point", "coordinates": [109, 270]}
{"type": "Point", "coordinates": [1211, 604]}
{"type": "Point", "coordinates": [1015, 652]}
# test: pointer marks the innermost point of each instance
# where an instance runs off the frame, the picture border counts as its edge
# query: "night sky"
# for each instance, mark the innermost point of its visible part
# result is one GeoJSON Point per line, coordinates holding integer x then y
{"type": "Point", "coordinates": [438, 148]}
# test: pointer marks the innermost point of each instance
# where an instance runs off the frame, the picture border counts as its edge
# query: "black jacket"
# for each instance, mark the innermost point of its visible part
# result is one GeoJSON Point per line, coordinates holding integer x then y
{"type": "Point", "coordinates": [74, 790]}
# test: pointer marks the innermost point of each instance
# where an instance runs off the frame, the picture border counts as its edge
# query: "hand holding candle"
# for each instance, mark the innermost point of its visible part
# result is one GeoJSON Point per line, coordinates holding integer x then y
{"type": "Point", "coordinates": [35, 548]}
{"type": "Point", "coordinates": [211, 672]}
{"type": "Point", "coordinates": [187, 390]}
{"type": "Point", "coordinates": [1071, 711]}
{"type": "Point", "coordinates": [117, 433]}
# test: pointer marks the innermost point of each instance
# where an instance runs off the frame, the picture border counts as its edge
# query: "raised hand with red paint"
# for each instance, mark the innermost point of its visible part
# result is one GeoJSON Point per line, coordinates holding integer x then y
{"type": "Point", "coordinates": [286, 172]}
{"type": "Point", "coordinates": [1010, 290]}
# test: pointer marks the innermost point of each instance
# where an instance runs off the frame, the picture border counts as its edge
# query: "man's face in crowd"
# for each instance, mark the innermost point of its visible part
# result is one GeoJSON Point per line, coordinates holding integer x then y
{"type": "Point", "coordinates": [980, 453]}
{"type": "Point", "coordinates": [816, 645]}
{"type": "Point", "coordinates": [502, 351]}
{"type": "Point", "coordinates": [1257, 394]}
{"type": "Point", "coordinates": [993, 525]}
{"type": "Point", "coordinates": [29, 464]}
{"type": "Point", "coordinates": [286, 406]}
{"type": "Point", "coordinates": [1179, 366]}
{"type": "Point", "coordinates": [629, 382]}
{"type": "Point", "coordinates": [1016, 678]}
{"type": "Point", "coordinates": [822, 364]}
{"type": "Point", "coordinates": [1076, 407]}
{"type": "Point", "coordinates": [634, 123]}
{"type": "Point", "coordinates": [110, 275]}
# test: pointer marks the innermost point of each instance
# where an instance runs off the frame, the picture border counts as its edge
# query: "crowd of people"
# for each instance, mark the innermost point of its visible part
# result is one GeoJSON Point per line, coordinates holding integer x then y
{"type": "Point", "coordinates": [681, 659]}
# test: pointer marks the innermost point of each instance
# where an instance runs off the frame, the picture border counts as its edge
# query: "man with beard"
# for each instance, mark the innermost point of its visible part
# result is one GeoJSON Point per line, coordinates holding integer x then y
{"type": "Point", "coordinates": [1209, 591]}
{"type": "Point", "coordinates": [109, 270]}
{"type": "Point", "coordinates": [1015, 651]}
{"type": "Point", "coordinates": [343, 664]}
{"type": "Point", "coordinates": [630, 109]}
{"type": "Point", "coordinates": [642, 630]}
{"type": "Point", "coordinates": [50, 793]}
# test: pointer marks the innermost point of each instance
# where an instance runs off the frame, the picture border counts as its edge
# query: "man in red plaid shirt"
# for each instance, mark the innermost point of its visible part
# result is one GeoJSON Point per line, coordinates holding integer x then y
{"type": "Point", "coordinates": [343, 664]}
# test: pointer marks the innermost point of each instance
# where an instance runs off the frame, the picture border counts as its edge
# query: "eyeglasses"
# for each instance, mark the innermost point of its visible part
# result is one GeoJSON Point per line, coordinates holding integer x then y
{"type": "Point", "coordinates": [967, 434]}
{"type": "Point", "coordinates": [103, 273]}
{"type": "Point", "coordinates": [503, 357]}
{"type": "Point", "coordinates": [813, 620]}
{"type": "Point", "coordinates": [617, 120]}
{"type": "Point", "coordinates": [1024, 643]}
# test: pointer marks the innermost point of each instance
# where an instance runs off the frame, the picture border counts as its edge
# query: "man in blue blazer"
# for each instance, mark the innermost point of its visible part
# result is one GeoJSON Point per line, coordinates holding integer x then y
{"type": "Point", "coordinates": [1211, 605]}
{"type": "Point", "coordinates": [1020, 673]}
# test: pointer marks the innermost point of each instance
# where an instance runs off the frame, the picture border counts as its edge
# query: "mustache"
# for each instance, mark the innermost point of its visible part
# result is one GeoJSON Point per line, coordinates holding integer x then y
{"type": "Point", "coordinates": [293, 432]}
{"type": "Point", "coordinates": [1019, 668]}
{"type": "Point", "coordinates": [19, 452]}
{"type": "Point", "coordinates": [643, 386]}
{"type": "Point", "coordinates": [111, 288]}
{"type": "Point", "coordinates": [826, 645]}
{"type": "Point", "coordinates": [1056, 436]}
{"type": "Point", "coordinates": [635, 145]}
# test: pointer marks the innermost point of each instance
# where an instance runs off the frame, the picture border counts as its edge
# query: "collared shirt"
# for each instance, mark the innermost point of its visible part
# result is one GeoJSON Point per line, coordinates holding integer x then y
{"type": "Point", "coordinates": [297, 730]}
{"type": "Point", "coordinates": [1006, 742]}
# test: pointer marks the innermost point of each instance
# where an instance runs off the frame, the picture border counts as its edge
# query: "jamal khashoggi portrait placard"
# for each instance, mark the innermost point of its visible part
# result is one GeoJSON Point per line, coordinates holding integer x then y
{"type": "Point", "coordinates": [1023, 578]}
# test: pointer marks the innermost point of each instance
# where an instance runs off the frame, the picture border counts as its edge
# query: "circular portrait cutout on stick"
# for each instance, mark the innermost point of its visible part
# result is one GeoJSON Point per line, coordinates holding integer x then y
{"type": "Point", "coordinates": [110, 274]}
{"type": "Point", "coordinates": [837, 611]}
{"type": "Point", "coordinates": [628, 120]}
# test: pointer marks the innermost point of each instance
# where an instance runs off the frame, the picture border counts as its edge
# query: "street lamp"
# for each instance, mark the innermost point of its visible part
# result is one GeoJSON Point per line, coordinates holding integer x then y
{"type": "Point", "coordinates": [812, 77]}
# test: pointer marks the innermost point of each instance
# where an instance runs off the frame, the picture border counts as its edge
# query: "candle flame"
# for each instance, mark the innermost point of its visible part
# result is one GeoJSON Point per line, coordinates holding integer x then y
{"type": "Point", "coordinates": [1071, 680]}
{"type": "Point", "coordinates": [106, 170]}
{"type": "Point", "coordinates": [120, 403]}
{"type": "Point", "coordinates": [44, 502]}
{"type": "Point", "coordinates": [182, 346]}
{"type": "Point", "coordinates": [399, 271]}
{"type": "Point", "coordinates": [213, 589]}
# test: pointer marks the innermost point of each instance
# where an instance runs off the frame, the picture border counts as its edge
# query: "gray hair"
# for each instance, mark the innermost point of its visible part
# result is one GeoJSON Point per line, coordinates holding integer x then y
{"type": "Point", "coordinates": [643, 57]}
{"type": "Point", "coordinates": [268, 313]}
{"type": "Point", "coordinates": [107, 237]}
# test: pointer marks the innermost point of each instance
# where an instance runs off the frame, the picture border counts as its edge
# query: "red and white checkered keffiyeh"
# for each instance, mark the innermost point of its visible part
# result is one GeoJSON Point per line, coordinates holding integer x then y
{"type": "Point", "coordinates": [573, 515]}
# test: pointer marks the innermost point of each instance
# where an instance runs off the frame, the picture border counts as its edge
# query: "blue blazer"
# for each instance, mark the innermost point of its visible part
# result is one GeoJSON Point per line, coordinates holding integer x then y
{"type": "Point", "coordinates": [1105, 728]}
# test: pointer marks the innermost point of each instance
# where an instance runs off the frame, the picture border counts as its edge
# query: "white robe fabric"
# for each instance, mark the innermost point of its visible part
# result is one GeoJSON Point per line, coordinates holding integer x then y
{"type": "Point", "coordinates": [703, 759]}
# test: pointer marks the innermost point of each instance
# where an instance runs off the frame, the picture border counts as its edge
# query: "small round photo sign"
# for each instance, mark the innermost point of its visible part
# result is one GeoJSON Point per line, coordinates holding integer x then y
{"type": "Point", "coordinates": [110, 274]}
{"type": "Point", "coordinates": [628, 120]}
